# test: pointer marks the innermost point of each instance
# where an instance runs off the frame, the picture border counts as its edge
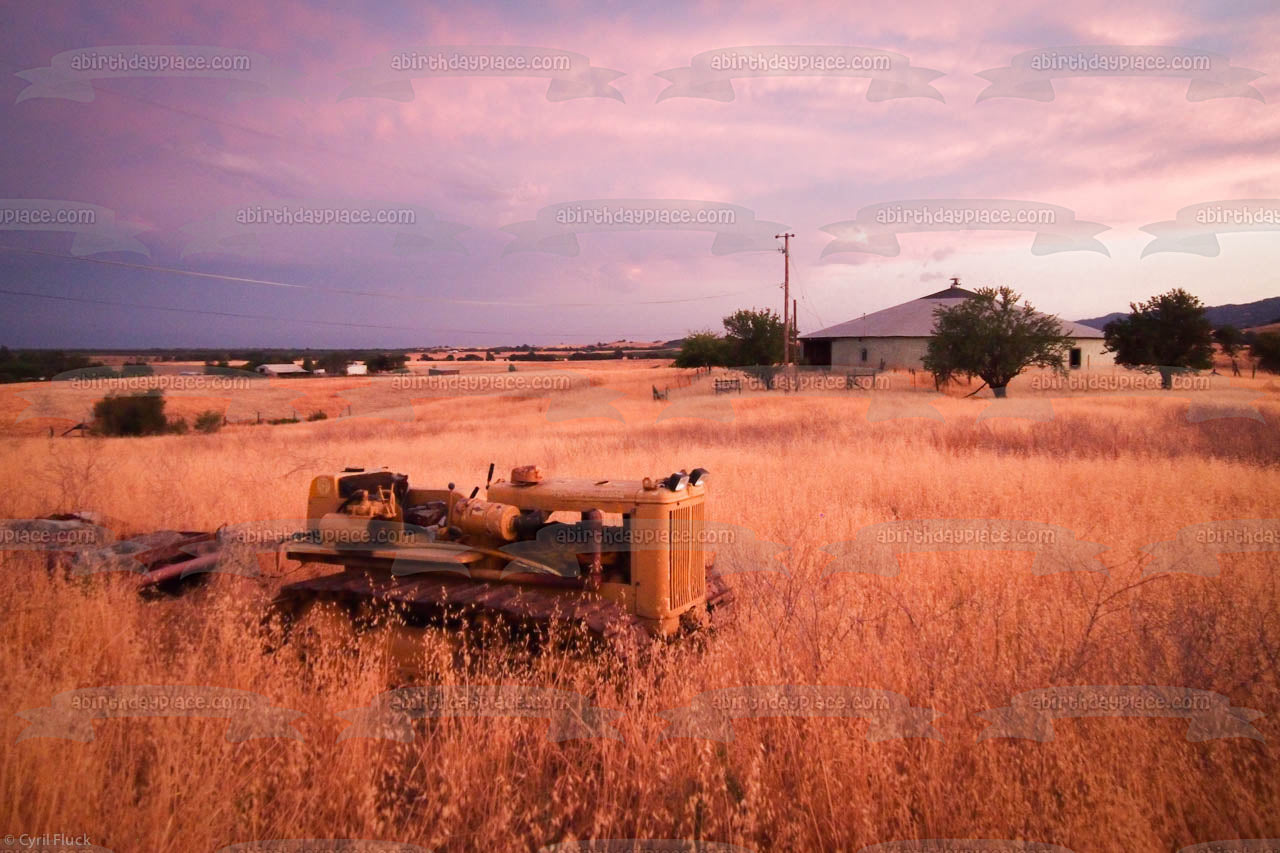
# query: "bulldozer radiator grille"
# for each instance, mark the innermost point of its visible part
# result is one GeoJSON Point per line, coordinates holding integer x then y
{"type": "Point", "coordinates": [688, 581]}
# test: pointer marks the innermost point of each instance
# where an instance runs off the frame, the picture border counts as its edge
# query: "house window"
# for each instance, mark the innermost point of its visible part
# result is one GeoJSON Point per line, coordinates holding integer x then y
{"type": "Point", "coordinates": [1074, 358]}
{"type": "Point", "coordinates": [864, 353]}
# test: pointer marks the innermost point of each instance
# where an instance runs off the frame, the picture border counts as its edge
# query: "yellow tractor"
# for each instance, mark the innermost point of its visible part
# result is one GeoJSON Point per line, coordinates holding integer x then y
{"type": "Point", "coordinates": [622, 558]}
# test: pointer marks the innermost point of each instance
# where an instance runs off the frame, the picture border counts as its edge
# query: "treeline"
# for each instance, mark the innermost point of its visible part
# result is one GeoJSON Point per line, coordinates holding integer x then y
{"type": "Point", "coordinates": [39, 365]}
{"type": "Point", "coordinates": [29, 365]}
{"type": "Point", "coordinates": [332, 361]}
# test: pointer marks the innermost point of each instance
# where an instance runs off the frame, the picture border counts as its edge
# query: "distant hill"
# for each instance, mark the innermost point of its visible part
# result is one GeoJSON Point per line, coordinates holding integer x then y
{"type": "Point", "coordinates": [1099, 322]}
{"type": "Point", "coordinates": [1244, 316]}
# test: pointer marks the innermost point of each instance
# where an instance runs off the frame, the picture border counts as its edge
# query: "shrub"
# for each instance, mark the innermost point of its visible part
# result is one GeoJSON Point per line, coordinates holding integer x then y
{"type": "Point", "coordinates": [138, 414]}
{"type": "Point", "coordinates": [703, 349]}
{"type": "Point", "coordinates": [317, 416]}
{"type": "Point", "coordinates": [209, 421]}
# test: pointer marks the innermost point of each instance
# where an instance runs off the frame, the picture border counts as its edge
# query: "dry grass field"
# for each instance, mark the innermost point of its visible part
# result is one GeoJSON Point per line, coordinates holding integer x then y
{"type": "Point", "coordinates": [958, 631]}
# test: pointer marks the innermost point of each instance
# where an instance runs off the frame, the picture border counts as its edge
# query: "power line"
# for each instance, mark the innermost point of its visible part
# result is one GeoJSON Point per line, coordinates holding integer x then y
{"type": "Point", "coordinates": [808, 304]}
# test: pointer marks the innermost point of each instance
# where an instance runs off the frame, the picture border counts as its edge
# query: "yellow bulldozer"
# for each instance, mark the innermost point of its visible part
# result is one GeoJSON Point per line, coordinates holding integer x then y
{"type": "Point", "coordinates": [618, 558]}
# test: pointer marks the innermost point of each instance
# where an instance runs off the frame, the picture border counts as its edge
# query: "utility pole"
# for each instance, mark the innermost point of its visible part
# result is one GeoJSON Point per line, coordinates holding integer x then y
{"type": "Point", "coordinates": [786, 296]}
{"type": "Point", "coordinates": [795, 324]}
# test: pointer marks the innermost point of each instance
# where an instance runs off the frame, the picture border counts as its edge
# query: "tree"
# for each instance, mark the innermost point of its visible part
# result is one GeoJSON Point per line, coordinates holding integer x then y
{"type": "Point", "coordinates": [753, 337]}
{"type": "Point", "coordinates": [385, 362]}
{"type": "Point", "coordinates": [703, 349]}
{"type": "Point", "coordinates": [334, 363]}
{"type": "Point", "coordinates": [1168, 333]}
{"type": "Point", "coordinates": [139, 414]}
{"type": "Point", "coordinates": [255, 359]}
{"type": "Point", "coordinates": [993, 337]}
{"type": "Point", "coordinates": [1266, 349]}
{"type": "Point", "coordinates": [309, 365]}
{"type": "Point", "coordinates": [488, 355]}
{"type": "Point", "coordinates": [1230, 340]}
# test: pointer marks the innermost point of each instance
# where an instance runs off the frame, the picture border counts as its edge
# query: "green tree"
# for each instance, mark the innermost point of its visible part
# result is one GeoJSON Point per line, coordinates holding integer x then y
{"type": "Point", "coordinates": [334, 363]}
{"type": "Point", "coordinates": [255, 359]}
{"type": "Point", "coordinates": [1168, 333]}
{"type": "Point", "coordinates": [1266, 349]}
{"type": "Point", "coordinates": [994, 337]}
{"type": "Point", "coordinates": [753, 337]}
{"type": "Point", "coordinates": [703, 349]}
{"type": "Point", "coordinates": [383, 363]}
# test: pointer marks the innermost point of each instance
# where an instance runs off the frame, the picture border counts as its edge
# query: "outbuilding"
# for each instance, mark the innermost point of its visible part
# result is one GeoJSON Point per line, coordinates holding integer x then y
{"type": "Point", "coordinates": [282, 370]}
{"type": "Point", "coordinates": [898, 337]}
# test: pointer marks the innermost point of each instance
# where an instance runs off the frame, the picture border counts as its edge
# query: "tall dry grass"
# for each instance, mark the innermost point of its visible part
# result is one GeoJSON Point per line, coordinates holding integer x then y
{"type": "Point", "coordinates": [959, 632]}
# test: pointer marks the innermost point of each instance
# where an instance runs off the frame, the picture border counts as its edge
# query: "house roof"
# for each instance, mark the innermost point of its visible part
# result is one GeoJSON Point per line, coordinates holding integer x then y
{"type": "Point", "coordinates": [283, 368]}
{"type": "Point", "coordinates": [914, 319]}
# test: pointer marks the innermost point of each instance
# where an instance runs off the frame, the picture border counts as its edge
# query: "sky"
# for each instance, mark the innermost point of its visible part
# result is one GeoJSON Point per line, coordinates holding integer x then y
{"type": "Point", "coordinates": [573, 173]}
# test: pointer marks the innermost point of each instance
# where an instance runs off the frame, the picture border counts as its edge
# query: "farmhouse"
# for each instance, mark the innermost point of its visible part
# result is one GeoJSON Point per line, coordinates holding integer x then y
{"type": "Point", "coordinates": [898, 337]}
{"type": "Point", "coordinates": [282, 370]}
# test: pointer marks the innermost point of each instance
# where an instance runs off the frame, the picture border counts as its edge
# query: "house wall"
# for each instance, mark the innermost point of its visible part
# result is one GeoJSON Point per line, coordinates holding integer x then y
{"type": "Point", "coordinates": [896, 352]}
{"type": "Point", "coordinates": [902, 353]}
{"type": "Point", "coordinates": [1093, 354]}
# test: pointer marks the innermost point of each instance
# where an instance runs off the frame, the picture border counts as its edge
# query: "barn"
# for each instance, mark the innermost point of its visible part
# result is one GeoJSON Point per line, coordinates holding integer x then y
{"type": "Point", "coordinates": [284, 370]}
{"type": "Point", "coordinates": [898, 337]}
